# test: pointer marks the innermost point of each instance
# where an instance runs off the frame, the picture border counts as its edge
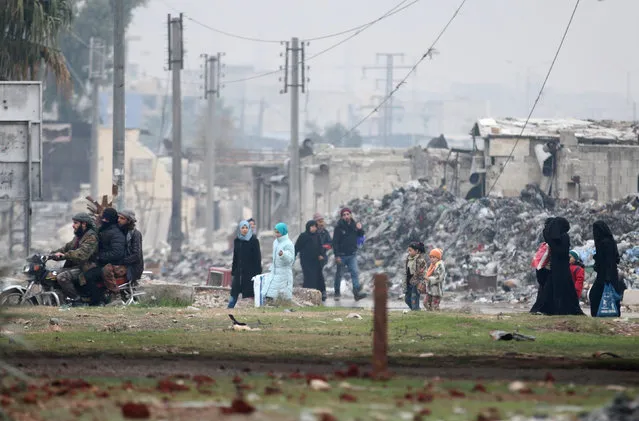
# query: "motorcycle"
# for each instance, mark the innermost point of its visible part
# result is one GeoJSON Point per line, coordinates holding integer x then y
{"type": "Point", "coordinates": [42, 286]}
{"type": "Point", "coordinates": [43, 289]}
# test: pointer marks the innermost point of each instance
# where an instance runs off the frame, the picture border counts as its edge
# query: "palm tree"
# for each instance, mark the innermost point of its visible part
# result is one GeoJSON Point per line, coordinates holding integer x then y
{"type": "Point", "coordinates": [29, 31]}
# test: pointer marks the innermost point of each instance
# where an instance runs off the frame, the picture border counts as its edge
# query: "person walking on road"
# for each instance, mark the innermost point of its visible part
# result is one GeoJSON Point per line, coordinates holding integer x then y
{"type": "Point", "coordinates": [310, 250]}
{"type": "Point", "coordinates": [279, 284]}
{"type": "Point", "coordinates": [345, 236]}
{"type": "Point", "coordinates": [247, 262]}
{"type": "Point", "coordinates": [433, 283]}
{"type": "Point", "coordinates": [606, 260]}
{"type": "Point", "coordinates": [415, 270]}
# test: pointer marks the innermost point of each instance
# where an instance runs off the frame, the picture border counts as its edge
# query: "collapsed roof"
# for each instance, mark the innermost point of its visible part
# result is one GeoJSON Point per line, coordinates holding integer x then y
{"type": "Point", "coordinates": [621, 132]}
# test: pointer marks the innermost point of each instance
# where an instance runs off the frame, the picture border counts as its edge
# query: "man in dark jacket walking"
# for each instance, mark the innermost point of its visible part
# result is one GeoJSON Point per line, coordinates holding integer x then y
{"type": "Point", "coordinates": [133, 257]}
{"type": "Point", "coordinates": [111, 251]}
{"type": "Point", "coordinates": [345, 236]}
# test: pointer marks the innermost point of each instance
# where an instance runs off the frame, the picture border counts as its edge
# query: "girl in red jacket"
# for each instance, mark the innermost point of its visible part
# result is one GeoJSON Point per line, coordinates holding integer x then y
{"type": "Point", "coordinates": [577, 271]}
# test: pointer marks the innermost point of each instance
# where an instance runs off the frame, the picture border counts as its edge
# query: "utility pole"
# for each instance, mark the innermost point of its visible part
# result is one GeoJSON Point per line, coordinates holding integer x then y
{"type": "Point", "coordinates": [386, 122]}
{"type": "Point", "coordinates": [96, 76]}
{"type": "Point", "coordinates": [375, 100]}
{"type": "Point", "coordinates": [296, 82]}
{"type": "Point", "coordinates": [176, 64]}
{"type": "Point", "coordinates": [118, 102]}
{"type": "Point", "coordinates": [212, 65]}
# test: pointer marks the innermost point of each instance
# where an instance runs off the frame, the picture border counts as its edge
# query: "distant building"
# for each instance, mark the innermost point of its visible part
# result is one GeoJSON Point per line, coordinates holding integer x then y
{"type": "Point", "coordinates": [568, 158]}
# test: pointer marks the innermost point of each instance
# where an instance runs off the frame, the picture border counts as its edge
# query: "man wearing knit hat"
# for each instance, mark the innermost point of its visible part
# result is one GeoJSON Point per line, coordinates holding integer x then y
{"type": "Point", "coordinates": [324, 235]}
{"type": "Point", "coordinates": [133, 258]}
{"type": "Point", "coordinates": [78, 254]}
{"type": "Point", "coordinates": [345, 236]}
{"type": "Point", "coordinates": [325, 241]}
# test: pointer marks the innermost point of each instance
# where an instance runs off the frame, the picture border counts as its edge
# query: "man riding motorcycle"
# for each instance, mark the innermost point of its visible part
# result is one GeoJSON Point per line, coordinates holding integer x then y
{"type": "Point", "coordinates": [78, 254]}
{"type": "Point", "coordinates": [133, 260]}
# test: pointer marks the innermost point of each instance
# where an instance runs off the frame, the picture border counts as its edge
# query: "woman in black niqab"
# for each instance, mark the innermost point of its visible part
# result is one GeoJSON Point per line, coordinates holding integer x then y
{"type": "Point", "coordinates": [543, 303]}
{"type": "Point", "coordinates": [309, 246]}
{"type": "Point", "coordinates": [560, 292]}
{"type": "Point", "coordinates": [606, 260]}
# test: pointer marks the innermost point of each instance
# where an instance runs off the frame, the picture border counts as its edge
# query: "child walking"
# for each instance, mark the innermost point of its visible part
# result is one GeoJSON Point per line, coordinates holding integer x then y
{"type": "Point", "coordinates": [415, 270]}
{"type": "Point", "coordinates": [434, 280]}
{"type": "Point", "coordinates": [577, 271]}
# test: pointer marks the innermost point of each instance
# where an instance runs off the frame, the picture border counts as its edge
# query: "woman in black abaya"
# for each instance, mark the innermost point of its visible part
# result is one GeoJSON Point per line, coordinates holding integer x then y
{"type": "Point", "coordinates": [606, 261]}
{"type": "Point", "coordinates": [563, 296]}
{"type": "Point", "coordinates": [543, 303]}
{"type": "Point", "coordinates": [309, 246]}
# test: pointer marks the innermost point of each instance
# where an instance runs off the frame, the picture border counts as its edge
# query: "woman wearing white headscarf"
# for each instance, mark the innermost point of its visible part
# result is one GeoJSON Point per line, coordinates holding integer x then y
{"type": "Point", "coordinates": [247, 262]}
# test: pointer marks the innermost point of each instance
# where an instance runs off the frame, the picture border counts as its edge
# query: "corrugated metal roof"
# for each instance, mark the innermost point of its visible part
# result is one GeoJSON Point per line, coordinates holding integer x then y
{"type": "Point", "coordinates": [615, 131]}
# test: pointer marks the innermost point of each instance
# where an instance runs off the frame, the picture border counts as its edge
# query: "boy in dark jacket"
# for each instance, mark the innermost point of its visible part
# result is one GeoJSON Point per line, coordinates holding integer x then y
{"type": "Point", "coordinates": [345, 236]}
{"type": "Point", "coordinates": [133, 257]}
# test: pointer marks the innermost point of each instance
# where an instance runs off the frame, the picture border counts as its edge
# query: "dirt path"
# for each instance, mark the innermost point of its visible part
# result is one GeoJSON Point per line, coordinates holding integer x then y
{"type": "Point", "coordinates": [509, 369]}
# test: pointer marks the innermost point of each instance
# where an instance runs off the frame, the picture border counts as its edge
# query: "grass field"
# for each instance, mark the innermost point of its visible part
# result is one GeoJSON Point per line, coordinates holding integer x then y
{"type": "Point", "coordinates": [301, 346]}
{"type": "Point", "coordinates": [319, 335]}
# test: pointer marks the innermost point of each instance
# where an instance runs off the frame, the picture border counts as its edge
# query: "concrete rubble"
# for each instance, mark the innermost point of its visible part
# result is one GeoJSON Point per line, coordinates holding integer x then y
{"type": "Point", "coordinates": [218, 298]}
{"type": "Point", "coordinates": [491, 238]}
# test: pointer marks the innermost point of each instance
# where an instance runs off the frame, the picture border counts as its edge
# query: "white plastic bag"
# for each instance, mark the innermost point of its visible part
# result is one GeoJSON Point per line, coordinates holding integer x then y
{"type": "Point", "coordinates": [258, 283]}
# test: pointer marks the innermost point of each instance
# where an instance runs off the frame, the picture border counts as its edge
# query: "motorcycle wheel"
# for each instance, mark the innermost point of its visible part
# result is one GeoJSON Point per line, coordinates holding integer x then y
{"type": "Point", "coordinates": [12, 298]}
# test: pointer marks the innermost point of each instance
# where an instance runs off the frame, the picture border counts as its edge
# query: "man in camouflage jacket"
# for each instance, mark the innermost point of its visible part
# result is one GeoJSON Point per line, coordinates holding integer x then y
{"type": "Point", "coordinates": [79, 254]}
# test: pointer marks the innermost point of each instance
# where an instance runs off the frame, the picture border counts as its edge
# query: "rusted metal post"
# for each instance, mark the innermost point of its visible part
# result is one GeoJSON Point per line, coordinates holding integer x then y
{"type": "Point", "coordinates": [380, 326]}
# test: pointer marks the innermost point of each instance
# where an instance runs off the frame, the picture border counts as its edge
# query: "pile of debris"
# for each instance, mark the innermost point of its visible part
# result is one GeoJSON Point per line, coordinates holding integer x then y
{"type": "Point", "coordinates": [191, 268]}
{"type": "Point", "coordinates": [489, 237]}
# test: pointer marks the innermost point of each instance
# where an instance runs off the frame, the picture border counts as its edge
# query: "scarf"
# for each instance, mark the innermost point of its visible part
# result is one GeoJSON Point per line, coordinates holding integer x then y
{"type": "Point", "coordinates": [431, 268]}
{"type": "Point", "coordinates": [411, 263]}
{"type": "Point", "coordinates": [248, 235]}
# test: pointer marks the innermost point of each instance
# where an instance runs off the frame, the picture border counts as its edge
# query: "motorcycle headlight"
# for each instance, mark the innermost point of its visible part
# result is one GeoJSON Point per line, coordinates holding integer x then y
{"type": "Point", "coordinates": [26, 269]}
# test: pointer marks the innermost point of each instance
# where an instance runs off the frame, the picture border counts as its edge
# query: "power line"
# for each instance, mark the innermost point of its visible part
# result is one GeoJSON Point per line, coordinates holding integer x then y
{"type": "Point", "coordinates": [543, 85]}
{"type": "Point", "coordinates": [219, 31]}
{"type": "Point", "coordinates": [394, 10]}
{"type": "Point", "coordinates": [389, 13]}
{"type": "Point", "coordinates": [427, 54]}
{"type": "Point", "coordinates": [398, 8]}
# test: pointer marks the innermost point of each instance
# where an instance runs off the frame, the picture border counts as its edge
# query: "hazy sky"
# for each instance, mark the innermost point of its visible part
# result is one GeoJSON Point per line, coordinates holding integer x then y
{"type": "Point", "coordinates": [491, 41]}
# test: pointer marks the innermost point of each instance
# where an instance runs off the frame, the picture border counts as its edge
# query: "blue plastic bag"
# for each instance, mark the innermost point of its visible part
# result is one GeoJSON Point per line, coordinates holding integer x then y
{"type": "Point", "coordinates": [360, 241]}
{"type": "Point", "coordinates": [608, 305]}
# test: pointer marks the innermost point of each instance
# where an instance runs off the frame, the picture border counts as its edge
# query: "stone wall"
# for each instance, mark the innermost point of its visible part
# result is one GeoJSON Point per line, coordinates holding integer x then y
{"type": "Point", "coordinates": [521, 169]}
{"type": "Point", "coordinates": [605, 172]}
{"type": "Point", "coordinates": [332, 177]}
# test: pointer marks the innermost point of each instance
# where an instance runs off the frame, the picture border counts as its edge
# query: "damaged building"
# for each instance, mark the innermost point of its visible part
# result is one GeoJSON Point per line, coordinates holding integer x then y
{"type": "Point", "coordinates": [567, 158]}
{"type": "Point", "coordinates": [330, 177]}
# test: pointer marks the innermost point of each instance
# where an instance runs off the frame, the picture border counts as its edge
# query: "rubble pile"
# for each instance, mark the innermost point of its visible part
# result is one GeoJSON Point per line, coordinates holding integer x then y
{"type": "Point", "coordinates": [218, 298]}
{"type": "Point", "coordinates": [490, 236]}
{"type": "Point", "coordinates": [192, 267]}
